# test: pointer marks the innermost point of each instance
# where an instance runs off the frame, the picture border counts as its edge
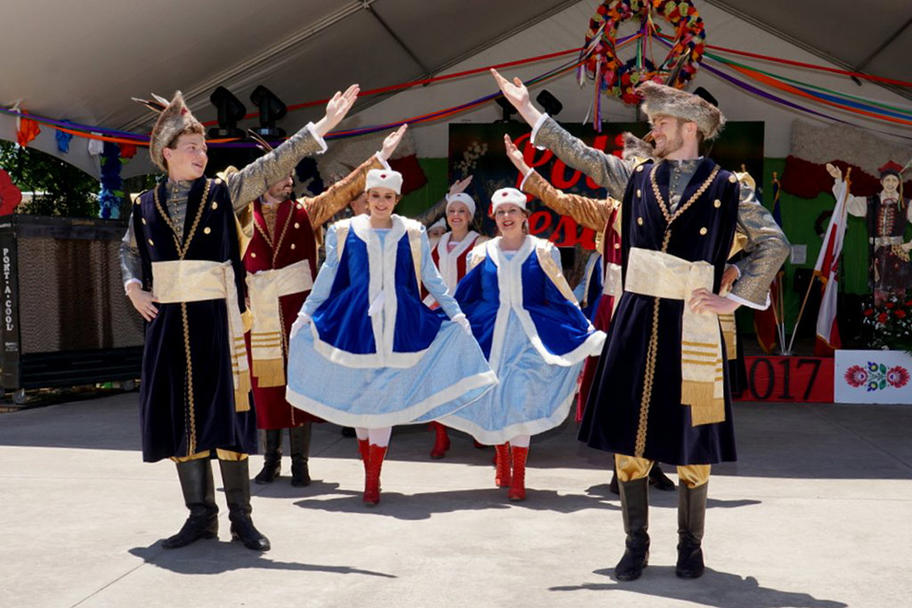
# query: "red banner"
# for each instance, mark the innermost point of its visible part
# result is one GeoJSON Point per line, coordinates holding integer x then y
{"type": "Point", "coordinates": [792, 379]}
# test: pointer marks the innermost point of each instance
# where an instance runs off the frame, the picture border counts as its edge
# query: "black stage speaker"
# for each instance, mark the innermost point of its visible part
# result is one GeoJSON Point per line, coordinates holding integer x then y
{"type": "Point", "coordinates": [66, 320]}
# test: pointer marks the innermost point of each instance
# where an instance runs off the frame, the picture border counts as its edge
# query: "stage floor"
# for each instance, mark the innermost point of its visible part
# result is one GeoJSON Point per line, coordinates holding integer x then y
{"type": "Point", "coordinates": [815, 514]}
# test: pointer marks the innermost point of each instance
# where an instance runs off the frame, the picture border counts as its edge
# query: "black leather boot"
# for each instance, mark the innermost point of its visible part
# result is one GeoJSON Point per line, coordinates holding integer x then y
{"type": "Point", "coordinates": [691, 517]}
{"type": "Point", "coordinates": [299, 446]}
{"type": "Point", "coordinates": [635, 509]}
{"type": "Point", "coordinates": [236, 478]}
{"type": "Point", "coordinates": [272, 457]}
{"type": "Point", "coordinates": [659, 480]}
{"type": "Point", "coordinates": [199, 496]}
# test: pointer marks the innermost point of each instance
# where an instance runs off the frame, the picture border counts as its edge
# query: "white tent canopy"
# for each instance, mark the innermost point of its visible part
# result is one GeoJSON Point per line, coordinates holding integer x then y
{"type": "Point", "coordinates": [82, 61]}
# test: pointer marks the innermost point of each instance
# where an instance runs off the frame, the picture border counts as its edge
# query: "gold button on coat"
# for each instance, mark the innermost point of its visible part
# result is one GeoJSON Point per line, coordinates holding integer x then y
{"type": "Point", "coordinates": [252, 254]}
{"type": "Point", "coordinates": [732, 178]}
{"type": "Point", "coordinates": [640, 221]}
{"type": "Point", "coordinates": [703, 230]}
{"type": "Point", "coordinates": [151, 243]}
{"type": "Point", "coordinates": [297, 225]}
{"type": "Point", "coordinates": [214, 205]}
{"type": "Point", "coordinates": [207, 230]}
{"type": "Point", "coordinates": [292, 245]}
{"type": "Point", "coordinates": [717, 203]}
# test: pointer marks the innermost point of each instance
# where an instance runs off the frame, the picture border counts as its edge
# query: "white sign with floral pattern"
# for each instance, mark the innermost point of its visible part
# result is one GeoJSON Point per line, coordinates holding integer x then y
{"type": "Point", "coordinates": [872, 376]}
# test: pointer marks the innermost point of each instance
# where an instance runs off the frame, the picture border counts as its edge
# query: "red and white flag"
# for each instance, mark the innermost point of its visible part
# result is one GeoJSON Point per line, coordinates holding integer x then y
{"type": "Point", "coordinates": [827, 268]}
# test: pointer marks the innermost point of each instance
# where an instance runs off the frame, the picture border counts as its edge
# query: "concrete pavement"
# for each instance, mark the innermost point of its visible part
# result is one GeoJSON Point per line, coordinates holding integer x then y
{"type": "Point", "coordinates": [817, 513]}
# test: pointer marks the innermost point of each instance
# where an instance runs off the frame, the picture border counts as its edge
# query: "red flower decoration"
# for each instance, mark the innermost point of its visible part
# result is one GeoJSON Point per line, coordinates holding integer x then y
{"type": "Point", "coordinates": [898, 376]}
{"type": "Point", "coordinates": [890, 304]}
{"type": "Point", "coordinates": [868, 312]}
{"type": "Point", "coordinates": [900, 314]}
{"type": "Point", "coordinates": [882, 317]}
{"type": "Point", "coordinates": [856, 375]}
{"type": "Point", "coordinates": [10, 195]}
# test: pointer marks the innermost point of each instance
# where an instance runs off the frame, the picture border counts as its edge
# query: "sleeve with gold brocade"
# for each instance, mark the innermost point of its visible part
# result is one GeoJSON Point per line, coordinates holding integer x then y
{"type": "Point", "coordinates": [589, 212]}
{"type": "Point", "coordinates": [765, 251]}
{"type": "Point", "coordinates": [322, 207]}
{"type": "Point", "coordinates": [253, 180]}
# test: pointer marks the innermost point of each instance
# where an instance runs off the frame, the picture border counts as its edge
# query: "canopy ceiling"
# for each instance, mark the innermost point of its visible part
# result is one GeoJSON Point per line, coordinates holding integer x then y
{"type": "Point", "coordinates": [83, 60]}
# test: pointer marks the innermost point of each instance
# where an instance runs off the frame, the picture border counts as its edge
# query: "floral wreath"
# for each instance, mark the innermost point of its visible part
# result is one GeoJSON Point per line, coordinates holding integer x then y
{"type": "Point", "coordinates": [620, 79]}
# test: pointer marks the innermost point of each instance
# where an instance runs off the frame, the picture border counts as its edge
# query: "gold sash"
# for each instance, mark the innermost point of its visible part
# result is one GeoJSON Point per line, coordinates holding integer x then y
{"type": "Point", "coordinates": [179, 281]}
{"type": "Point", "coordinates": [266, 339]}
{"type": "Point", "coordinates": [661, 275]}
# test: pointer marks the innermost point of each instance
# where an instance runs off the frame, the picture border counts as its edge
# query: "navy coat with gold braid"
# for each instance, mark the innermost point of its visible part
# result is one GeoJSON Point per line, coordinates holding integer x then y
{"type": "Point", "coordinates": [187, 404]}
{"type": "Point", "coordinates": [635, 406]}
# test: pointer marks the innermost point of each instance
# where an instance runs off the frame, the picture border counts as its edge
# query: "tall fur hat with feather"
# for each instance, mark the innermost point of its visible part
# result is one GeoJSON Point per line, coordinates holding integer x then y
{"type": "Point", "coordinates": [661, 100]}
{"type": "Point", "coordinates": [174, 117]}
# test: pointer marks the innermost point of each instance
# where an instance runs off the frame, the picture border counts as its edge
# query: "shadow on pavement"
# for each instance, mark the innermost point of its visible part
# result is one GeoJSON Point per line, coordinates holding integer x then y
{"type": "Point", "coordinates": [714, 588]}
{"type": "Point", "coordinates": [216, 557]}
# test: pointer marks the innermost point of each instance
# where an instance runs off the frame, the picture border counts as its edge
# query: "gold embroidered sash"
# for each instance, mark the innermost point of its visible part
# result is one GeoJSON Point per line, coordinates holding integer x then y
{"type": "Point", "coordinates": [661, 275]}
{"type": "Point", "coordinates": [179, 281]}
{"type": "Point", "coordinates": [266, 337]}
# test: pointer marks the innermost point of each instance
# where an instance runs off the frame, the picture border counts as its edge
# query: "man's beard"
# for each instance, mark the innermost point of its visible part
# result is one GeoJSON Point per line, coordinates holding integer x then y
{"type": "Point", "coordinates": [672, 144]}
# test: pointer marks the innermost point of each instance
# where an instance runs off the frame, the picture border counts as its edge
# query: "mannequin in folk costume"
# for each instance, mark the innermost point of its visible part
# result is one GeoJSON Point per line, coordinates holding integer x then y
{"type": "Point", "coordinates": [281, 263]}
{"type": "Point", "coordinates": [183, 273]}
{"type": "Point", "coordinates": [366, 351]}
{"type": "Point", "coordinates": [887, 213]}
{"type": "Point", "coordinates": [530, 327]}
{"type": "Point", "coordinates": [450, 255]}
{"type": "Point", "coordinates": [661, 391]}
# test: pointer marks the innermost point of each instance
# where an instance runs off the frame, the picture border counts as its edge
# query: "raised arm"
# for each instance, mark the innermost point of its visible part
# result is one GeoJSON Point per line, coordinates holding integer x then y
{"type": "Point", "coordinates": [855, 205]}
{"type": "Point", "coordinates": [438, 209]}
{"type": "Point", "coordinates": [589, 212]}
{"type": "Point", "coordinates": [606, 170]}
{"type": "Point", "coordinates": [254, 179]}
{"type": "Point", "coordinates": [335, 198]}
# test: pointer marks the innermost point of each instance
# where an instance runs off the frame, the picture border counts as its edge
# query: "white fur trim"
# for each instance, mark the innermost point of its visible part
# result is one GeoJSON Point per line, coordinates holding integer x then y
{"type": "Point", "coordinates": [465, 199]}
{"type": "Point", "coordinates": [384, 178]}
{"type": "Point", "coordinates": [509, 283]}
{"type": "Point", "coordinates": [530, 427]}
{"type": "Point", "coordinates": [404, 416]}
{"type": "Point", "coordinates": [503, 196]}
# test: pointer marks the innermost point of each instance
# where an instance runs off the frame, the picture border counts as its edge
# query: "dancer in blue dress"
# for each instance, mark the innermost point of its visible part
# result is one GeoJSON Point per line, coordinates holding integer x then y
{"type": "Point", "coordinates": [365, 351]}
{"type": "Point", "coordinates": [530, 327]}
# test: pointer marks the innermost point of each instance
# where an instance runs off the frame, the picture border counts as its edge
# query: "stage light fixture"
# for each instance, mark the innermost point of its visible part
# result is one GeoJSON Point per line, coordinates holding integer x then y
{"type": "Point", "coordinates": [271, 109]}
{"type": "Point", "coordinates": [506, 107]}
{"type": "Point", "coordinates": [230, 111]}
{"type": "Point", "coordinates": [549, 103]}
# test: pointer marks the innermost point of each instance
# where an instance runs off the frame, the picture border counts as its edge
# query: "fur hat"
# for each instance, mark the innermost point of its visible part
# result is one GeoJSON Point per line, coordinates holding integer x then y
{"type": "Point", "coordinates": [636, 148]}
{"type": "Point", "coordinates": [174, 117]}
{"type": "Point", "coordinates": [661, 100]}
{"type": "Point", "coordinates": [384, 178]}
{"type": "Point", "coordinates": [461, 197]}
{"type": "Point", "coordinates": [504, 196]}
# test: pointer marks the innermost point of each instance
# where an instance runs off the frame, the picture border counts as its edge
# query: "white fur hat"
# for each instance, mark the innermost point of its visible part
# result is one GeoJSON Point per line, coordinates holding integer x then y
{"type": "Point", "coordinates": [384, 178]}
{"type": "Point", "coordinates": [441, 223]}
{"type": "Point", "coordinates": [463, 198]}
{"type": "Point", "coordinates": [505, 196]}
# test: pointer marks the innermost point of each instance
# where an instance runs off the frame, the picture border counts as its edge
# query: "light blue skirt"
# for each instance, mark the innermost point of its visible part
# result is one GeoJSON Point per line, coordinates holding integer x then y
{"type": "Point", "coordinates": [452, 373]}
{"type": "Point", "coordinates": [532, 396]}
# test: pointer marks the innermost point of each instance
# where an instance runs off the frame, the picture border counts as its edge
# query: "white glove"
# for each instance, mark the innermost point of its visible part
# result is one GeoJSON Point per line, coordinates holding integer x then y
{"type": "Point", "coordinates": [301, 322]}
{"type": "Point", "coordinates": [463, 322]}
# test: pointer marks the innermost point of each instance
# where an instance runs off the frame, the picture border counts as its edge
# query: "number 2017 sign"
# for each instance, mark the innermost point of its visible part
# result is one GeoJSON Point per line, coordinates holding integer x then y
{"type": "Point", "coordinates": [797, 379]}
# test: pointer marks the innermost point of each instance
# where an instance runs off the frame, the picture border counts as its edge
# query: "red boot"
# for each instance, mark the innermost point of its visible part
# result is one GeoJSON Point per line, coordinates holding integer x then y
{"type": "Point", "coordinates": [518, 487]}
{"type": "Point", "coordinates": [441, 441]}
{"type": "Point", "coordinates": [502, 462]}
{"type": "Point", "coordinates": [372, 476]}
{"type": "Point", "coordinates": [363, 450]}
